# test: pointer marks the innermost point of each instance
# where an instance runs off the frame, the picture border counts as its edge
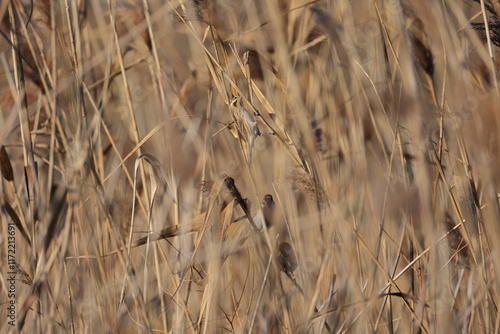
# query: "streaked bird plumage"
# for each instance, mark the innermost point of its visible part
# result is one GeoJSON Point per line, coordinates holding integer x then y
{"type": "Point", "coordinates": [247, 126]}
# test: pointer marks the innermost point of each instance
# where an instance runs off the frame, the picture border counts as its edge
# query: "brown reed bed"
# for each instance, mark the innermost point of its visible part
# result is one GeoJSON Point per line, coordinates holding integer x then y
{"type": "Point", "coordinates": [138, 189]}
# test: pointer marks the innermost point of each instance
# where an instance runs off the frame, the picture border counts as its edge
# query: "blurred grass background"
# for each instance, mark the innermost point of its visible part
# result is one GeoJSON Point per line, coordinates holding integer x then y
{"type": "Point", "coordinates": [379, 146]}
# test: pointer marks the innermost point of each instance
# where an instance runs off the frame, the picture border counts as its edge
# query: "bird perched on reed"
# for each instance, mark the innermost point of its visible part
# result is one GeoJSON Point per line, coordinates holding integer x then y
{"type": "Point", "coordinates": [267, 215]}
{"type": "Point", "coordinates": [247, 127]}
{"type": "Point", "coordinates": [287, 259]}
{"type": "Point", "coordinates": [239, 231]}
{"type": "Point", "coordinates": [268, 210]}
{"type": "Point", "coordinates": [234, 232]}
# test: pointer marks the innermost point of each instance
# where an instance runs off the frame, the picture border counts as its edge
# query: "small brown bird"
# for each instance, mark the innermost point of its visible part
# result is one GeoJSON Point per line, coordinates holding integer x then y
{"type": "Point", "coordinates": [234, 232]}
{"type": "Point", "coordinates": [287, 259]}
{"type": "Point", "coordinates": [268, 209]}
{"type": "Point", "coordinates": [246, 124]}
{"type": "Point", "coordinates": [267, 214]}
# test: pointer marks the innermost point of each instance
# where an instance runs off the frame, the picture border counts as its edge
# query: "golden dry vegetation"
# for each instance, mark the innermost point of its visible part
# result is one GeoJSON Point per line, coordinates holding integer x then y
{"type": "Point", "coordinates": [128, 181]}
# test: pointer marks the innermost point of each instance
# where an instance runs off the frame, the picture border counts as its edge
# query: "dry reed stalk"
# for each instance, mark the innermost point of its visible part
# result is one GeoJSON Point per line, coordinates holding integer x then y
{"type": "Point", "coordinates": [465, 203]}
{"type": "Point", "coordinates": [341, 85]}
